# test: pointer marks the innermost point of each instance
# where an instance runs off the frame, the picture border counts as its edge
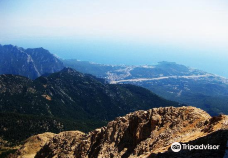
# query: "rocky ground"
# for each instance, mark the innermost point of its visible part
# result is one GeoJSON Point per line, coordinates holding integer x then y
{"type": "Point", "coordinates": [138, 134]}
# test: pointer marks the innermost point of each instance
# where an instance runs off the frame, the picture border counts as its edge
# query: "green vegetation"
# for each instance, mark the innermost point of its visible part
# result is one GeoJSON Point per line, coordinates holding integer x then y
{"type": "Point", "coordinates": [67, 100]}
{"type": "Point", "coordinates": [5, 152]}
{"type": "Point", "coordinates": [17, 127]}
{"type": "Point", "coordinates": [89, 68]}
{"type": "Point", "coordinates": [179, 83]}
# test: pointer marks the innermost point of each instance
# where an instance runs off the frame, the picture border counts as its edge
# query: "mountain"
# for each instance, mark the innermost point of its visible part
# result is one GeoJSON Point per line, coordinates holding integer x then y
{"type": "Point", "coordinates": [167, 79]}
{"type": "Point", "coordinates": [66, 100]}
{"type": "Point", "coordinates": [98, 70]}
{"type": "Point", "coordinates": [146, 134]}
{"type": "Point", "coordinates": [30, 63]}
{"type": "Point", "coordinates": [38, 95]}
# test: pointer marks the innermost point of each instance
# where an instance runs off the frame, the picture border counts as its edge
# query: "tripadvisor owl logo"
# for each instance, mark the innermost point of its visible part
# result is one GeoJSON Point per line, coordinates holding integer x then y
{"type": "Point", "coordinates": [176, 147]}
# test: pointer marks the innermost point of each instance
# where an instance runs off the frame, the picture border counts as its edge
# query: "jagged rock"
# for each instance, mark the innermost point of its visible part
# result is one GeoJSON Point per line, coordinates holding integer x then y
{"type": "Point", "coordinates": [63, 145]}
{"type": "Point", "coordinates": [30, 63]}
{"type": "Point", "coordinates": [143, 134]}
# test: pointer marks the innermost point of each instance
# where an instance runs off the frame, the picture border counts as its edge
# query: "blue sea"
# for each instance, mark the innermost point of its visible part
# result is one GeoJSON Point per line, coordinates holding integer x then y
{"type": "Point", "coordinates": [131, 53]}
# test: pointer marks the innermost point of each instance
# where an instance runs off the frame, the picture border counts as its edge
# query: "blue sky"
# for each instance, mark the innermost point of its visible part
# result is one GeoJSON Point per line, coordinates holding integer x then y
{"type": "Point", "coordinates": [190, 32]}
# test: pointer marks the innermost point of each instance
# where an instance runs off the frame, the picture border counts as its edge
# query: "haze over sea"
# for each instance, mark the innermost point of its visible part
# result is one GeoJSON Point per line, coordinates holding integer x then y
{"type": "Point", "coordinates": [132, 32]}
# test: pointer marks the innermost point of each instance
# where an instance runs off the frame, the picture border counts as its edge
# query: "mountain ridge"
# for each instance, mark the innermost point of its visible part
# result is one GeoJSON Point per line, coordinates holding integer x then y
{"type": "Point", "coordinates": [142, 134]}
{"type": "Point", "coordinates": [84, 101]}
{"type": "Point", "coordinates": [30, 63]}
{"type": "Point", "coordinates": [167, 79]}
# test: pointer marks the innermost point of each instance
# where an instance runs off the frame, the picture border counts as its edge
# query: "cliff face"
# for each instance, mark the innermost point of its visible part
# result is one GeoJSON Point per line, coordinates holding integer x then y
{"type": "Point", "coordinates": [144, 134]}
{"type": "Point", "coordinates": [30, 63]}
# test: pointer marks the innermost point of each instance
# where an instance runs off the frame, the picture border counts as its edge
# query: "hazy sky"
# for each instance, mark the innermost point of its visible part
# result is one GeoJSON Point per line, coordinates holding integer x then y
{"type": "Point", "coordinates": [190, 32]}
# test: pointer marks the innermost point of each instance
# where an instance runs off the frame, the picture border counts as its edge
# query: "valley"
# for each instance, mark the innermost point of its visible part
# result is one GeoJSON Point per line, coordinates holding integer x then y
{"type": "Point", "coordinates": [66, 100]}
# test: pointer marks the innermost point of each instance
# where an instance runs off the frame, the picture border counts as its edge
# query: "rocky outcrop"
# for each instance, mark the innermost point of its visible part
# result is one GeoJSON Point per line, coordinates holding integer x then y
{"type": "Point", "coordinates": [143, 134]}
{"type": "Point", "coordinates": [32, 145]}
{"type": "Point", "coordinates": [64, 144]}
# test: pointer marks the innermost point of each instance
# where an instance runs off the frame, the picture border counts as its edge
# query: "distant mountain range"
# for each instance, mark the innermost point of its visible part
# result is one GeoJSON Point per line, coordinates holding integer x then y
{"type": "Point", "coordinates": [167, 79]}
{"type": "Point", "coordinates": [30, 63]}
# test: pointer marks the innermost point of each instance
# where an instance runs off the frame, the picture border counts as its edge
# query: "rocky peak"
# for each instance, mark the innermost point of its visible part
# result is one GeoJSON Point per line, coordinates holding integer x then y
{"type": "Point", "coordinates": [32, 145]}
{"type": "Point", "coordinates": [35, 52]}
{"type": "Point", "coordinates": [68, 70]}
{"type": "Point", "coordinates": [37, 49]}
{"type": "Point", "coordinates": [142, 134]}
{"type": "Point", "coordinates": [67, 74]}
{"type": "Point", "coordinates": [30, 63]}
{"type": "Point", "coordinates": [11, 48]}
